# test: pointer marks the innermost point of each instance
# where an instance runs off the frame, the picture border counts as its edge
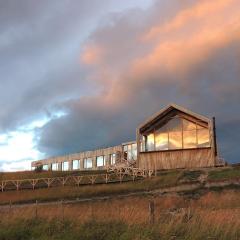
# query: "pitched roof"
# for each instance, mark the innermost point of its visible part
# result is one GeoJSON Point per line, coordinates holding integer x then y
{"type": "Point", "coordinates": [168, 109]}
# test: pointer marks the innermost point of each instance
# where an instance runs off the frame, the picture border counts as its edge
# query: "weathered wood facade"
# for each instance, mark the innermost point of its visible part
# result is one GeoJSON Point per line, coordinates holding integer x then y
{"type": "Point", "coordinates": [109, 156]}
{"type": "Point", "coordinates": [172, 138]}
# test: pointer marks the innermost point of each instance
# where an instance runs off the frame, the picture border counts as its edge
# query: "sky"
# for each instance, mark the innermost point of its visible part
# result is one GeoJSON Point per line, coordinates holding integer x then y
{"type": "Point", "coordinates": [80, 75]}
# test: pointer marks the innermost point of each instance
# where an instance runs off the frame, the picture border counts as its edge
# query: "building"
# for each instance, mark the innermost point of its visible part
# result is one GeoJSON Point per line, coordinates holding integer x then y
{"type": "Point", "coordinates": [172, 138]}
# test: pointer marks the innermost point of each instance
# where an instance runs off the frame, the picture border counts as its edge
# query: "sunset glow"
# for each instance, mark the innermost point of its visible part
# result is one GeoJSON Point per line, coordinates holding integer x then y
{"type": "Point", "coordinates": [81, 76]}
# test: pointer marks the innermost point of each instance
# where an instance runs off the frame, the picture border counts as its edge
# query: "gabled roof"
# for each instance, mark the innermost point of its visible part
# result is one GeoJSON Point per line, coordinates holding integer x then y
{"type": "Point", "coordinates": [168, 109]}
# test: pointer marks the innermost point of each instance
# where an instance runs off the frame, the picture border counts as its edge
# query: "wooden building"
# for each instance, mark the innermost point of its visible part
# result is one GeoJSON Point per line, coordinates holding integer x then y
{"type": "Point", "coordinates": [176, 138]}
{"type": "Point", "coordinates": [172, 138]}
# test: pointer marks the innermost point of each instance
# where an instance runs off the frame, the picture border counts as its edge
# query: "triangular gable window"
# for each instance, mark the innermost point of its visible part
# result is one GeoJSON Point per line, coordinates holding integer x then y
{"type": "Point", "coordinates": [177, 133]}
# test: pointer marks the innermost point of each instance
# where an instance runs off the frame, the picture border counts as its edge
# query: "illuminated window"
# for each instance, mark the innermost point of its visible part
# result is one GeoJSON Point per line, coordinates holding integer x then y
{"type": "Point", "coordinates": [178, 133]}
{"type": "Point", "coordinates": [150, 142]}
{"type": "Point", "coordinates": [100, 161]}
{"type": "Point", "coordinates": [112, 159]}
{"type": "Point", "coordinates": [45, 167]}
{"type": "Point", "coordinates": [174, 125]}
{"type": "Point", "coordinates": [65, 166]}
{"type": "Point", "coordinates": [129, 152]}
{"type": "Point", "coordinates": [188, 126]}
{"type": "Point", "coordinates": [190, 139]}
{"type": "Point", "coordinates": [161, 140]}
{"type": "Point", "coordinates": [75, 164]}
{"type": "Point", "coordinates": [175, 140]}
{"type": "Point", "coordinates": [88, 163]}
{"type": "Point", "coordinates": [54, 167]}
{"type": "Point", "coordinates": [134, 151]}
{"type": "Point", "coordinates": [203, 137]}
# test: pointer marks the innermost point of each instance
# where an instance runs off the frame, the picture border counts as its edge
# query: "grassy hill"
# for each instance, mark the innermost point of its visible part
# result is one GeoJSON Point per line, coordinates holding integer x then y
{"type": "Point", "coordinates": [181, 211]}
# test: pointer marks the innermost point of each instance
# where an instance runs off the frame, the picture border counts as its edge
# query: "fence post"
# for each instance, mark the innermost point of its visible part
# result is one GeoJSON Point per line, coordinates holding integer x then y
{"type": "Point", "coordinates": [151, 212]}
{"type": "Point", "coordinates": [92, 215]}
{"type": "Point", "coordinates": [36, 209]}
{"type": "Point", "coordinates": [62, 208]}
{"type": "Point", "coordinates": [10, 208]}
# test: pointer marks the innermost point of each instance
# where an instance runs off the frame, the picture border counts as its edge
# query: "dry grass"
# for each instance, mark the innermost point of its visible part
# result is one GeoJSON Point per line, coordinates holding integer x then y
{"type": "Point", "coordinates": [73, 192]}
{"type": "Point", "coordinates": [43, 174]}
{"type": "Point", "coordinates": [213, 216]}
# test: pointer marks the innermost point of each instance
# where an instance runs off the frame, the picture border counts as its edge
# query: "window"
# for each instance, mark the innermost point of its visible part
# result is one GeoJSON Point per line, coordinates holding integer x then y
{"type": "Point", "coordinates": [54, 167]}
{"type": "Point", "coordinates": [203, 137]}
{"type": "Point", "coordinates": [143, 143]}
{"type": "Point", "coordinates": [134, 151]}
{"type": "Point", "coordinates": [150, 142]}
{"type": "Point", "coordinates": [45, 167]}
{"type": "Point", "coordinates": [88, 163]}
{"type": "Point", "coordinates": [75, 164]}
{"type": "Point", "coordinates": [174, 125]}
{"type": "Point", "coordinates": [113, 158]}
{"type": "Point", "coordinates": [129, 152]}
{"type": "Point", "coordinates": [188, 126]}
{"type": "Point", "coordinates": [189, 139]}
{"type": "Point", "coordinates": [189, 134]}
{"type": "Point", "coordinates": [100, 161]}
{"type": "Point", "coordinates": [161, 140]}
{"type": "Point", "coordinates": [65, 166]}
{"type": "Point", "coordinates": [175, 140]}
{"type": "Point", "coordinates": [178, 133]}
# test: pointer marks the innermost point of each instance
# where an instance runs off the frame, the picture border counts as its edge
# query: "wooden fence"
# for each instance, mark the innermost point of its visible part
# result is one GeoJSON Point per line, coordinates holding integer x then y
{"type": "Point", "coordinates": [113, 175]}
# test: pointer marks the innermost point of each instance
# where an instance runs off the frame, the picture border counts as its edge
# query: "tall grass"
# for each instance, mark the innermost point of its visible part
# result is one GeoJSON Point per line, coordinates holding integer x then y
{"type": "Point", "coordinates": [212, 216]}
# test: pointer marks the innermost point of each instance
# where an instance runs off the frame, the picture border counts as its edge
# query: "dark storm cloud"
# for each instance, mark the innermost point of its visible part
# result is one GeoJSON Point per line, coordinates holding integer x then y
{"type": "Point", "coordinates": [40, 43]}
{"type": "Point", "coordinates": [134, 63]}
{"type": "Point", "coordinates": [144, 60]}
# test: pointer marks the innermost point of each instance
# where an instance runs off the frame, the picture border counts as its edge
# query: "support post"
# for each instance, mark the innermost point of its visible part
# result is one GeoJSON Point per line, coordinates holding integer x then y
{"type": "Point", "coordinates": [36, 209]}
{"type": "Point", "coordinates": [151, 212]}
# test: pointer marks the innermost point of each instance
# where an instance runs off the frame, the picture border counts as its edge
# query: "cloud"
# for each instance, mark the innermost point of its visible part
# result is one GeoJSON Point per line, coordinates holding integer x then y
{"type": "Point", "coordinates": [142, 62]}
{"type": "Point", "coordinates": [107, 74]}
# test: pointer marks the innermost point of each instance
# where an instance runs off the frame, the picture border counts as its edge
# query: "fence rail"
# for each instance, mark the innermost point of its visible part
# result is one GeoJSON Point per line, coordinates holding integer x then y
{"type": "Point", "coordinates": [112, 175]}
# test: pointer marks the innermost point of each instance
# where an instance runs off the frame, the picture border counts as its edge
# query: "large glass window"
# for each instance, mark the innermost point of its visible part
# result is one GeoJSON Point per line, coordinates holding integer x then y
{"type": "Point", "coordinates": [65, 166]}
{"type": "Point", "coordinates": [143, 143]}
{"type": "Point", "coordinates": [130, 151]}
{"type": "Point", "coordinates": [203, 137]}
{"type": "Point", "coordinates": [88, 163]}
{"type": "Point", "coordinates": [54, 167]}
{"type": "Point", "coordinates": [134, 151]}
{"type": "Point", "coordinates": [190, 139]}
{"type": "Point", "coordinates": [45, 167]}
{"type": "Point", "coordinates": [174, 125]}
{"type": "Point", "coordinates": [113, 158]}
{"type": "Point", "coordinates": [75, 164]}
{"type": "Point", "coordinates": [150, 142]}
{"type": "Point", "coordinates": [178, 133]}
{"type": "Point", "coordinates": [100, 161]}
{"type": "Point", "coordinates": [161, 140]}
{"type": "Point", "coordinates": [175, 140]}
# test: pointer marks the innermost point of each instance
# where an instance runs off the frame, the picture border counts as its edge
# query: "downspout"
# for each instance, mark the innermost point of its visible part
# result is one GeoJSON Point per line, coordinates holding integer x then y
{"type": "Point", "coordinates": [214, 139]}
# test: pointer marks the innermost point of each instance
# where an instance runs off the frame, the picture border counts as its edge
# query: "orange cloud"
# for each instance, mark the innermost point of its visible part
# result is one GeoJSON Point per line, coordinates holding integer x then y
{"type": "Point", "coordinates": [204, 11]}
{"type": "Point", "coordinates": [91, 55]}
{"type": "Point", "coordinates": [183, 41]}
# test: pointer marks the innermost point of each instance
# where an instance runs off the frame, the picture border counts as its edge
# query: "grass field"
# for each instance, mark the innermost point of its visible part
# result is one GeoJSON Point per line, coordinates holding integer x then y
{"type": "Point", "coordinates": [43, 174]}
{"type": "Point", "coordinates": [163, 179]}
{"type": "Point", "coordinates": [212, 216]}
{"type": "Point", "coordinates": [224, 174]}
{"type": "Point", "coordinates": [198, 214]}
{"type": "Point", "coordinates": [73, 192]}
